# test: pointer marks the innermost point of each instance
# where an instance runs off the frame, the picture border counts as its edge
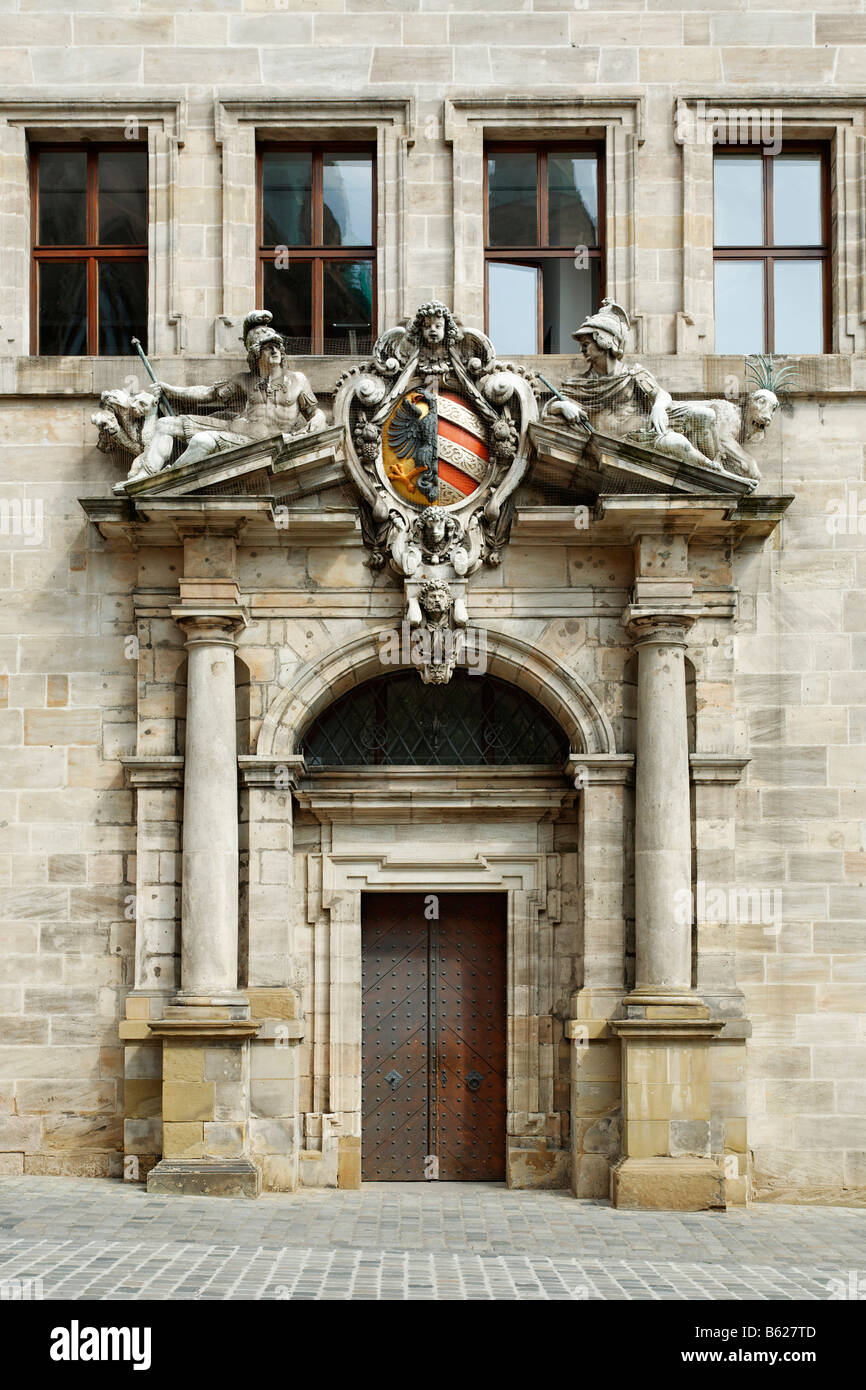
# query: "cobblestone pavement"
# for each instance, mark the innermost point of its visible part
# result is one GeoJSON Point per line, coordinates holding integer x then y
{"type": "Point", "coordinates": [103, 1240]}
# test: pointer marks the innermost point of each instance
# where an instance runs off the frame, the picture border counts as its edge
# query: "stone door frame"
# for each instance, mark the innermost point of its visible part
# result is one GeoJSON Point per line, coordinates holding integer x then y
{"type": "Point", "coordinates": [530, 882]}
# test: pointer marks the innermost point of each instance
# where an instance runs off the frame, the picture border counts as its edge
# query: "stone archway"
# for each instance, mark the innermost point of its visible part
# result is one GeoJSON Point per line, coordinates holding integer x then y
{"type": "Point", "coordinates": [564, 695]}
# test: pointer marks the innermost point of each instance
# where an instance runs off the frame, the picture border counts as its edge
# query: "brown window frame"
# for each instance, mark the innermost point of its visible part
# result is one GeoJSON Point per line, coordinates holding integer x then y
{"type": "Point", "coordinates": [317, 253]}
{"type": "Point", "coordinates": [90, 251]}
{"type": "Point", "coordinates": [768, 254]}
{"type": "Point", "coordinates": [533, 255]}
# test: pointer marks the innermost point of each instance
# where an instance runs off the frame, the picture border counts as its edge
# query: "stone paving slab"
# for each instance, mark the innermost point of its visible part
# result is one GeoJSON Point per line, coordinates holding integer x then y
{"type": "Point", "coordinates": [103, 1240]}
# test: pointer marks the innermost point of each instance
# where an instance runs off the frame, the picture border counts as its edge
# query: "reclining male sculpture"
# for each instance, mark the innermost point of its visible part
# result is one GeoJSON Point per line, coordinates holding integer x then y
{"type": "Point", "coordinates": [627, 403]}
{"type": "Point", "coordinates": [268, 399]}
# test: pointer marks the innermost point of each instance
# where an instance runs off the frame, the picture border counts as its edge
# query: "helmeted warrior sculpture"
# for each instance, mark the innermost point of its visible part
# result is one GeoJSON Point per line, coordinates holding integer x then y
{"type": "Point", "coordinates": [266, 400]}
{"type": "Point", "coordinates": [627, 403]}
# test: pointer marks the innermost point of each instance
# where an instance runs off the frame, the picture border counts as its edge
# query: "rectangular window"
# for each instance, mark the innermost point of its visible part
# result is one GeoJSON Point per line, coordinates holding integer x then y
{"type": "Point", "coordinates": [543, 220]}
{"type": "Point", "coordinates": [316, 246]}
{"type": "Point", "coordinates": [89, 273]}
{"type": "Point", "coordinates": [772, 251]}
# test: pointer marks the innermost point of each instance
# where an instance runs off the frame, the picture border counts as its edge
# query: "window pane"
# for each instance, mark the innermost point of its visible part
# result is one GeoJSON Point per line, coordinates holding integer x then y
{"type": "Point", "coordinates": [348, 307]}
{"type": "Point", "coordinates": [62, 198]}
{"type": "Point", "coordinates": [513, 306]}
{"type": "Point", "coordinates": [287, 198]}
{"type": "Point", "coordinates": [738, 182]}
{"type": "Point", "coordinates": [569, 295]}
{"type": "Point", "coordinates": [572, 184]}
{"type": "Point", "coordinates": [122, 306]}
{"type": "Point", "coordinates": [289, 296]}
{"type": "Point", "coordinates": [63, 308]}
{"type": "Point", "coordinates": [739, 306]}
{"type": "Point", "coordinates": [798, 303]}
{"type": "Point", "coordinates": [347, 192]}
{"type": "Point", "coordinates": [512, 196]}
{"type": "Point", "coordinates": [797, 203]}
{"type": "Point", "coordinates": [122, 197]}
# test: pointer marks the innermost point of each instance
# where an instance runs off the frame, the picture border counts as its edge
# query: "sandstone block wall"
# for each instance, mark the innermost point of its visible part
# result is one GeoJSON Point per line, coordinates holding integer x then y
{"type": "Point", "coordinates": [785, 687]}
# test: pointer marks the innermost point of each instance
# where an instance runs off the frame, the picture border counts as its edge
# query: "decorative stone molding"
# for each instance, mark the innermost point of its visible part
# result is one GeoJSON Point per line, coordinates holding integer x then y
{"type": "Point", "coordinates": [161, 122]}
{"type": "Point", "coordinates": [615, 121]}
{"type": "Point", "coordinates": [387, 122]}
{"type": "Point", "coordinates": [840, 120]}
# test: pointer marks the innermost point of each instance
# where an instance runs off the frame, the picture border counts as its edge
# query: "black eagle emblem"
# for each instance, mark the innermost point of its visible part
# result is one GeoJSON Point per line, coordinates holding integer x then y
{"type": "Point", "coordinates": [413, 434]}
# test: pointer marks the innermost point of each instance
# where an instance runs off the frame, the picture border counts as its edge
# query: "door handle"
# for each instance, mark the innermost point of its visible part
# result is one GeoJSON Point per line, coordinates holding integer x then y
{"type": "Point", "coordinates": [443, 1077]}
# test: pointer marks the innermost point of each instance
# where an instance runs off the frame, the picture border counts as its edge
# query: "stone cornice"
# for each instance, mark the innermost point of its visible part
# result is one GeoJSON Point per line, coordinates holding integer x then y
{"type": "Point", "coordinates": [274, 773]}
{"type": "Point", "coordinates": [312, 113]}
{"type": "Point", "coordinates": [726, 768]}
{"type": "Point", "coordinates": [615, 108]}
{"type": "Point", "coordinates": [385, 794]}
{"type": "Point", "coordinates": [153, 770]}
{"type": "Point", "coordinates": [589, 769]}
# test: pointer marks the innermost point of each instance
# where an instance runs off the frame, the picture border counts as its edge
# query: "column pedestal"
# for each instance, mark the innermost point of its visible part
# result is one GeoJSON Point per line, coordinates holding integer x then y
{"type": "Point", "coordinates": [666, 1163]}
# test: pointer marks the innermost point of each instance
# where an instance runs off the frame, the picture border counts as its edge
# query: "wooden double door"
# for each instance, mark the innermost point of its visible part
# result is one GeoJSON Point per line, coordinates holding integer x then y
{"type": "Point", "coordinates": [434, 1036]}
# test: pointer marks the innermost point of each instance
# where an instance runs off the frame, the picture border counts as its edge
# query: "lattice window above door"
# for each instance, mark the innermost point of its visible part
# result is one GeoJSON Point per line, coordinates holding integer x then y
{"type": "Point", "coordinates": [398, 720]}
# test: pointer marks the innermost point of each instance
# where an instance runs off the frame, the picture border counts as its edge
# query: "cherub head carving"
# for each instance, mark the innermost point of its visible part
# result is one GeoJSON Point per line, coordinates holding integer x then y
{"type": "Point", "coordinates": [434, 327]}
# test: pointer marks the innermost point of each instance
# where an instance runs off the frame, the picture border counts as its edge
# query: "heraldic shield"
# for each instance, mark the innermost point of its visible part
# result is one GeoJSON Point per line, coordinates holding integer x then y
{"type": "Point", "coordinates": [434, 448]}
{"type": "Point", "coordinates": [436, 445]}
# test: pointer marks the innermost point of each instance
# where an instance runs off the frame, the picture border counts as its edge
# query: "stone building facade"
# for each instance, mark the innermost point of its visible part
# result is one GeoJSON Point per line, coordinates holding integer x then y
{"type": "Point", "coordinates": [184, 886]}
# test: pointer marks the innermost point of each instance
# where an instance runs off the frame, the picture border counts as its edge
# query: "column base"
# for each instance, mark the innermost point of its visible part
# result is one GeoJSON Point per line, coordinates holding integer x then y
{"type": "Point", "coordinates": [668, 1184]}
{"type": "Point", "coordinates": [205, 1177]}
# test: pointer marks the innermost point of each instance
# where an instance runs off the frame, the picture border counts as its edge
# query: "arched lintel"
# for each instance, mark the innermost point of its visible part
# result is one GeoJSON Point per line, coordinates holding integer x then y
{"type": "Point", "coordinates": [563, 694]}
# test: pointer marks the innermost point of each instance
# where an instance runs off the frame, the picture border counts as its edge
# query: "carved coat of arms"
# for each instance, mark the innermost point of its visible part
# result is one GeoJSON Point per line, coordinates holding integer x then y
{"type": "Point", "coordinates": [437, 432]}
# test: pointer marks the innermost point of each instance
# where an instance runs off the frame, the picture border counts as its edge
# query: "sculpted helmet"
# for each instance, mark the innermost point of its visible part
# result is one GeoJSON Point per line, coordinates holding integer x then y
{"type": "Point", "coordinates": [257, 332]}
{"type": "Point", "coordinates": [609, 327]}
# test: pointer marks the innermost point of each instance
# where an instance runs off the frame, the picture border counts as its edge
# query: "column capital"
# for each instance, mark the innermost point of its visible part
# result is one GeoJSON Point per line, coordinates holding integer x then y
{"type": "Point", "coordinates": [665, 625]}
{"type": "Point", "coordinates": [217, 623]}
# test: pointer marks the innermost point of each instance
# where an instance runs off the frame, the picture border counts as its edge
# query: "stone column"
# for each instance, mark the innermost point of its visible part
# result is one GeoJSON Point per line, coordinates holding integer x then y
{"type": "Point", "coordinates": [206, 1030]}
{"type": "Point", "coordinates": [209, 941]}
{"type": "Point", "coordinates": [666, 1032]}
{"type": "Point", "coordinates": [663, 840]}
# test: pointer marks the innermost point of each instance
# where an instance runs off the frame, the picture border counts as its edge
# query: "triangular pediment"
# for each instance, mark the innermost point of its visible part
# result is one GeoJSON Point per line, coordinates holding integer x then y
{"type": "Point", "coordinates": [602, 466]}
